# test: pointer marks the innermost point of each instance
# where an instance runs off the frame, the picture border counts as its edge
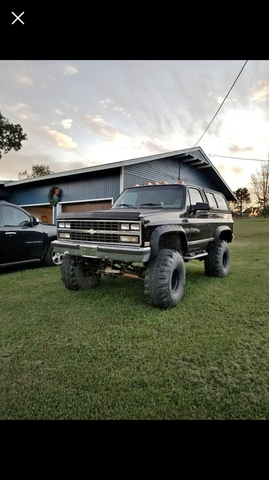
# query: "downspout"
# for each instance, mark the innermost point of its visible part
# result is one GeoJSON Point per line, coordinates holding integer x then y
{"type": "Point", "coordinates": [121, 179]}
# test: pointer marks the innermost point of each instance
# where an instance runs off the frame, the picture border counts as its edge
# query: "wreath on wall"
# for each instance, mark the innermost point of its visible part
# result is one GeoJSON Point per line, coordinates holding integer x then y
{"type": "Point", "coordinates": [54, 195]}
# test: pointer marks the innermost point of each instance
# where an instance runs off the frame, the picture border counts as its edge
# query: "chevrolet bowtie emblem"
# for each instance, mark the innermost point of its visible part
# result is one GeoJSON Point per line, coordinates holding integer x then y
{"type": "Point", "coordinates": [92, 231]}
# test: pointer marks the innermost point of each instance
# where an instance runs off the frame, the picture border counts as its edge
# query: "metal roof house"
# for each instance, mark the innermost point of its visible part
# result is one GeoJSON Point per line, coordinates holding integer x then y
{"type": "Point", "coordinates": [97, 187]}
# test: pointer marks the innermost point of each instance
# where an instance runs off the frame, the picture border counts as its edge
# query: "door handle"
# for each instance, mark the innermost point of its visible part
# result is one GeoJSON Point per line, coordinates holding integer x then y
{"type": "Point", "coordinates": [10, 233]}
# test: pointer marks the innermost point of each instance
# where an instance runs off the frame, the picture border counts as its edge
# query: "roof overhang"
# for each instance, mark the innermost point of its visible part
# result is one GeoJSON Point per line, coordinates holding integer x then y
{"type": "Point", "coordinates": [194, 157]}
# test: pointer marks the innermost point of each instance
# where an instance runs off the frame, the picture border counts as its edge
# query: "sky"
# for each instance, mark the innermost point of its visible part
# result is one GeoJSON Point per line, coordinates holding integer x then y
{"type": "Point", "coordinates": [81, 113]}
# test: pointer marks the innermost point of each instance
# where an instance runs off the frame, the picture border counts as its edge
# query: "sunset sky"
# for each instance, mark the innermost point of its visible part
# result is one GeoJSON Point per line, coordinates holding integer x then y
{"type": "Point", "coordinates": [81, 113]}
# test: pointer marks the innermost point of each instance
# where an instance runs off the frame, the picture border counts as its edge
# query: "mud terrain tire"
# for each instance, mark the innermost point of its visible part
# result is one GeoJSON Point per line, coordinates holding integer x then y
{"type": "Point", "coordinates": [217, 263]}
{"type": "Point", "coordinates": [165, 279]}
{"type": "Point", "coordinates": [75, 276]}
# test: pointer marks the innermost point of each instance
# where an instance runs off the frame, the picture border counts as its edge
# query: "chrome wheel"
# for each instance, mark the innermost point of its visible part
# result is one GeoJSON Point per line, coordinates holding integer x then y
{"type": "Point", "coordinates": [57, 258]}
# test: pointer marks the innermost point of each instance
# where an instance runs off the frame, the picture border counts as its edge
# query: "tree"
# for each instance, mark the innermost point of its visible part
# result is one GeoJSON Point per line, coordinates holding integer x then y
{"type": "Point", "coordinates": [11, 136]}
{"type": "Point", "coordinates": [37, 171]}
{"type": "Point", "coordinates": [260, 186]}
{"type": "Point", "coordinates": [243, 199]}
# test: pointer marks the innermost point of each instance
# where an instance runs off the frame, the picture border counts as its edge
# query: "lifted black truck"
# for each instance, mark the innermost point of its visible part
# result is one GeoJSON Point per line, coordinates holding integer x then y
{"type": "Point", "coordinates": [149, 233]}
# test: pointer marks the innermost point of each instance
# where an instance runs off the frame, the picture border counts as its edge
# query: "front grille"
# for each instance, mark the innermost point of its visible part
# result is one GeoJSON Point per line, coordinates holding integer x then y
{"type": "Point", "coordinates": [95, 224]}
{"type": "Point", "coordinates": [99, 231]}
{"type": "Point", "coordinates": [96, 237]}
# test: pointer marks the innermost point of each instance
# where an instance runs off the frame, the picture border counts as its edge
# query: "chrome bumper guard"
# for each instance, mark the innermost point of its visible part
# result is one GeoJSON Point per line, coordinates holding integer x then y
{"type": "Point", "coordinates": [112, 252]}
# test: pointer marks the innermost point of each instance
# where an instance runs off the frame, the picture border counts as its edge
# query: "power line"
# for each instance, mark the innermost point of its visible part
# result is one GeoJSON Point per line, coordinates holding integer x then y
{"type": "Point", "coordinates": [222, 102]}
{"type": "Point", "coordinates": [238, 158]}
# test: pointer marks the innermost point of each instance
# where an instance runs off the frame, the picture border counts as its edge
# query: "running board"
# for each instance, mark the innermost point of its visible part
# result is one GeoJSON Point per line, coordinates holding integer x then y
{"type": "Point", "coordinates": [193, 257]}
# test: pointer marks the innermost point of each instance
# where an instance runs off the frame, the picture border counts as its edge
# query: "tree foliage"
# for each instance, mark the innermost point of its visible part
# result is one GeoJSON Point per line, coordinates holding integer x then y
{"type": "Point", "coordinates": [260, 187]}
{"type": "Point", "coordinates": [243, 199]}
{"type": "Point", "coordinates": [37, 171]}
{"type": "Point", "coordinates": [11, 136]}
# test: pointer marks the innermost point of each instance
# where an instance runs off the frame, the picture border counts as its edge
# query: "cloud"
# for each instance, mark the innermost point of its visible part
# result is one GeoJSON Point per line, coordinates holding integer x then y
{"type": "Point", "coordinates": [100, 127]}
{"type": "Point", "coordinates": [24, 80]}
{"type": "Point", "coordinates": [23, 116]}
{"type": "Point", "coordinates": [234, 149]}
{"type": "Point", "coordinates": [262, 92]}
{"type": "Point", "coordinates": [153, 148]}
{"type": "Point", "coordinates": [61, 139]}
{"type": "Point", "coordinates": [105, 102]}
{"type": "Point", "coordinates": [18, 106]}
{"type": "Point", "coordinates": [70, 70]}
{"type": "Point", "coordinates": [67, 123]}
{"type": "Point", "coordinates": [121, 110]}
{"type": "Point", "coordinates": [58, 111]}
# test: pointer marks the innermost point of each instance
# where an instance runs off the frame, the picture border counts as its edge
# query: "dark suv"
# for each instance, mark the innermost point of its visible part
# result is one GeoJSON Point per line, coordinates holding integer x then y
{"type": "Point", "coordinates": [24, 240]}
{"type": "Point", "coordinates": [149, 233]}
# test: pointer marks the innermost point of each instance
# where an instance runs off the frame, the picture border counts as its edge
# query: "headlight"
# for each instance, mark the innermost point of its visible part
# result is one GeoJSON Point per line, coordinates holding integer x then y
{"type": "Point", "coordinates": [124, 226]}
{"type": "Point", "coordinates": [129, 238]}
{"type": "Point", "coordinates": [64, 225]}
{"type": "Point", "coordinates": [134, 226]}
{"type": "Point", "coordinates": [64, 235]}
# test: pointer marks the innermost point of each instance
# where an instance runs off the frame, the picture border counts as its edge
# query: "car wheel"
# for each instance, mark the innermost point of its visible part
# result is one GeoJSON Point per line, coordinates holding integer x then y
{"type": "Point", "coordinates": [52, 258]}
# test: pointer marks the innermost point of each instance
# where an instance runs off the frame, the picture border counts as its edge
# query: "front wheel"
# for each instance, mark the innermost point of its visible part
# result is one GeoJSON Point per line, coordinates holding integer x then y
{"type": "Point", "coordinates": [52, 258]}
{"type": "Point", "coordinates": [165, 279]}
{"type": "Point", "coordinates": [77, 275]}
{"type": "Point", "coordinates": [217, 263]}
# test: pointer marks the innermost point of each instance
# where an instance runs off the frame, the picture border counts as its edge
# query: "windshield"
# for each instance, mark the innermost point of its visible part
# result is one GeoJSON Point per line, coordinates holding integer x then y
{"type": "Point", "coordinates": [152, 196]}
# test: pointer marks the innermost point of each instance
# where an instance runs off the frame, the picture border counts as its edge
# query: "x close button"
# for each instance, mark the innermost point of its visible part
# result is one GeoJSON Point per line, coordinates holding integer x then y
{"type": "Point", "coordinates": [17, 18]}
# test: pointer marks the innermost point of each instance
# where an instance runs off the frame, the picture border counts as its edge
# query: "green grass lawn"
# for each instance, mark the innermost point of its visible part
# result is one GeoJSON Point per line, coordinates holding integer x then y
{"type": "Point", "coordinates": [106, 354]}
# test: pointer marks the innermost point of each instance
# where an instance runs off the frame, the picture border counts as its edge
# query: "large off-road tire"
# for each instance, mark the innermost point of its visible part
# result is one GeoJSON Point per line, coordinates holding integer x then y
{"type": "Point", "coordinates": [75, 276]}
{"type": "Point", "coordinates": [52, 259]}
{"type": "Point", "coordinates": [165, 279]}
{"type": "Point", "coordinates": [217, 263]}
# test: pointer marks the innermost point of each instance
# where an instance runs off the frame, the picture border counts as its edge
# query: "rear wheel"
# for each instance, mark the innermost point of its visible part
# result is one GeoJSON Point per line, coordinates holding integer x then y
{"type": "Point", "coordinates": [217, 263]}
{"type": "Point", "coordinates": [165, 279]}
{"type": "Point", "coordinates": [77, 275]}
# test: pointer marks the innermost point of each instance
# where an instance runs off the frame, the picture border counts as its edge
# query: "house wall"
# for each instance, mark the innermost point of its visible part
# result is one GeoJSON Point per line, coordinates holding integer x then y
{"type": "Point", "coordinates": [101, 185]}
{"type": "Point", "coordinates": [155, 170]}
{"type": "Point", "coordinates": [4, 193]}
{"type": "Point", "coordinates": [169, 170]}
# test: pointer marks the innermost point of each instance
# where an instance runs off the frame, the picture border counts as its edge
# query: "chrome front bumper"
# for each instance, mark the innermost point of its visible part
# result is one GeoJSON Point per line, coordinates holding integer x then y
{"type": "Point", "coordinates": [112, 252]}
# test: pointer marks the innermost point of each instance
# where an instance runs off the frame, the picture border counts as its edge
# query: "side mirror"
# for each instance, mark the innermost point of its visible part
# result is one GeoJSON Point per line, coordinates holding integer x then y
{"type": "Point", "coordinates": [34, 220]}
{"type": "Point", "coordinates": [201, 206]}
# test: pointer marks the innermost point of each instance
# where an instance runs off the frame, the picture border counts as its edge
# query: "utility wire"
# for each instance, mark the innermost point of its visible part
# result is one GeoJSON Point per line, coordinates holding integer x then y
{"type": "Point", "coordinates": [222, 102]}
{"type": "Point", "coordinates": [237, 158]}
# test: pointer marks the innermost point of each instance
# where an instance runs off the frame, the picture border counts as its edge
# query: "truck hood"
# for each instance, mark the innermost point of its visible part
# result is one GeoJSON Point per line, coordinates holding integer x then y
{"type": "Point", "coordinates": [113, 214]}
{"type": "Point", "coordinates": [127, 214]}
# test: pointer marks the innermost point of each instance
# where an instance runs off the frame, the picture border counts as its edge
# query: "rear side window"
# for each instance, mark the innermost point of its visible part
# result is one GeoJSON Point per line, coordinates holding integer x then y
{"type": "Point", "coordinates": [222, 204]}
{"type": "Point", "coordinates": [216, 200]}
{"type": "Point", "coordinates": [211, 200]}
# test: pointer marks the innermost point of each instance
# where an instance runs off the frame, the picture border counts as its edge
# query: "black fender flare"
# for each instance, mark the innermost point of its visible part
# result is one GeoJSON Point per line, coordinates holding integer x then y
{"type": "Point", "coordinates": [161, 230]}
{"type": "Point", "coordinates": [228, 236]}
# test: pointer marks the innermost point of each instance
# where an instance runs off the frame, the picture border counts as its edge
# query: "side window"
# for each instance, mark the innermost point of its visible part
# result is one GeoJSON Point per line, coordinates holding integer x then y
{"type": "Point", "coordinates": [13, 217]}
{"type": "Point", "coordinates": [221, 201]}
{"type": "Point", "coordinates": [195, 196]}
{"type": "Point", "coordinates": [211, 200]}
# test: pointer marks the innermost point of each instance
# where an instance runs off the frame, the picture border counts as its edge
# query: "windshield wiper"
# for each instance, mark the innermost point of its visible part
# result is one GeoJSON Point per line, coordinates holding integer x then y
{"type": "Point", "coordinates": [150, 204]}
{"type": "Point", "coordinates": [126, 205]}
